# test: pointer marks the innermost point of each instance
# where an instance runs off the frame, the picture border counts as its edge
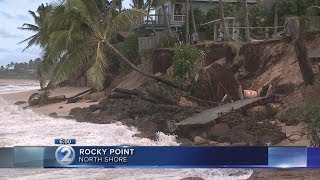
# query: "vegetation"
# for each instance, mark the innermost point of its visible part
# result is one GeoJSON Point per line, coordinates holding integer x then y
{"type": "Point", "coordinates": [186, 58]}
{"type": "Point", "coordinates": [130, 47]}
{"type": "Point", "coordinates": [167, 42]}
{"type": "Point", "coordinates": [23, 70]}
{"type": "Point", "coordinates": [81, 34]}
{"type": "Point", "coordinates": [309, 113]}
{"type": "Point", "coordinates": [200, 17]}
{"type": "Point", "coordinates": [77, 34]}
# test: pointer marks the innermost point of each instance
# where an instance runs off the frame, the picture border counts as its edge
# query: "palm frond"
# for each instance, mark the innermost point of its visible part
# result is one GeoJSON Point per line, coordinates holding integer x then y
{"type": "Point", "coordinates": [79, 8]}
{"type": "Point", "coordinates": [35, 17]}
{"type": "Point", "coordinates": [31, 41]}
{"type": "Point", "coordinates": [125, 20]}
{"type": "Point", "coordinates": [28, 39]}
{"type": "Point", "coordinates": [57, 44]}
{"type": "Point", "coordinates": [68, 64]}
{"type": "Point", "coordinates": [99, 67]}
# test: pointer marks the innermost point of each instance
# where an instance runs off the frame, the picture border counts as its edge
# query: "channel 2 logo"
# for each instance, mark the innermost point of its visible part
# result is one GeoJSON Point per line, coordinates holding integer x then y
{"type": "Point", "coordinates": [65, 155]}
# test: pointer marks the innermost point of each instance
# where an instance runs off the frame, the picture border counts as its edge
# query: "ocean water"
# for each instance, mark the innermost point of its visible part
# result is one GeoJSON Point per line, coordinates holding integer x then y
{"type": "Point", "coordinates": [25, 128]}
{"type": "Point", "coordinates": [17, 85]}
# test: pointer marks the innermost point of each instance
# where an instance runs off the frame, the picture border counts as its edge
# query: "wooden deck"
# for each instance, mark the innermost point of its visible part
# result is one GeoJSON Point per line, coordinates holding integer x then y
{"type": "Point", "coordinates": [214, 113]}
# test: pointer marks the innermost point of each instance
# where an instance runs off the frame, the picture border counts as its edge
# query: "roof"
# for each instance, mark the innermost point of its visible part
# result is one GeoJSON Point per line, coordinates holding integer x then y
{"type": "Point", "coordinates": [154, 3]}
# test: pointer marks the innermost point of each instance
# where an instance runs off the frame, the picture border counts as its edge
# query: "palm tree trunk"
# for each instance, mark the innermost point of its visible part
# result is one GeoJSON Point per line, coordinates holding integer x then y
{"type": "Point", "coordinates": [299, 42]}
{"type": "Point", "coordinates": [246, 21]}
{"type": "Point", "coordinates": [187, 22]}
{"type": "Point", "coordinates": [193, 19]}
{"type": "Point", "coordinates": [134, 67]}
{"type": "Point", "coordinates": [165, 18]}
{"type": "Point", "coordinates": [225, 30]}
{"type": "Point", "coordinates": [276, 18]}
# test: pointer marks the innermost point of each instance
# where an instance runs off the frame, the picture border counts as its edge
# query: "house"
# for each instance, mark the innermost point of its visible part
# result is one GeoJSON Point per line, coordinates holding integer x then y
{"type": "Point", "coordinates": [176, 12]}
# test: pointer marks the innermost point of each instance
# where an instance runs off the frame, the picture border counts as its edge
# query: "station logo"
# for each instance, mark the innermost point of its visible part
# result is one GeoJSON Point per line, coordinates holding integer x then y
{"type": "Point", "coordinates": [65, 155]}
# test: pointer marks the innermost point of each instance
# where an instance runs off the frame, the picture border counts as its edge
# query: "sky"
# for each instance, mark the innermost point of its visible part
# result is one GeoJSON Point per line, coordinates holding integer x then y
{"type": "Point", "coordinates": [13, 13]}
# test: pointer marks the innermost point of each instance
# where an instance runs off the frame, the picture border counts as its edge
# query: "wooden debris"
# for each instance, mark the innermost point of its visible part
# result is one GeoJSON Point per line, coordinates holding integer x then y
{"type": "Point", "coordinates": [214, 113]}
{"type": "Point", "coordinates": [56, 99]}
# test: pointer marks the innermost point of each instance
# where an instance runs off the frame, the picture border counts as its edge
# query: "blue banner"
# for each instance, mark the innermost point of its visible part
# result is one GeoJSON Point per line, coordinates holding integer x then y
{"type": "Point", "coordinates": [65, 156]}
{"type": "Point", "coordinates": [313, 157]}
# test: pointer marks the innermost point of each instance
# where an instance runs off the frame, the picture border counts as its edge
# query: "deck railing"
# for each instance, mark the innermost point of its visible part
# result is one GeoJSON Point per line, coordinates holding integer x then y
{"type": "Point", "coordinates": [157, 19]}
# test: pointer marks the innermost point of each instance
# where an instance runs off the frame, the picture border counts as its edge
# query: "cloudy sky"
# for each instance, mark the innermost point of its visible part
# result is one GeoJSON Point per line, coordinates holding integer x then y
{"type": "Point", "coordinates": [13, 13]}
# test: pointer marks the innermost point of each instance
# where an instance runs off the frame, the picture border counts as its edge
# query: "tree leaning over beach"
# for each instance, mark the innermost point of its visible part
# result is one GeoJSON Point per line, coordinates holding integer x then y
{"type": "Point", "coordinates": [80, 33]}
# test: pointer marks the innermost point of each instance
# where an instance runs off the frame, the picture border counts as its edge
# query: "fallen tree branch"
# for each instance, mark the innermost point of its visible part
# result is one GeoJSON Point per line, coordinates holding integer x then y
{"type": "Point", "coordinates": [136, 93]}
{"type": "Point", "coordinates": [82, 93]}
{"type": "Point", "coordinates": [118, 96]}
{"type": "Point", "coordinates": [162, 98]}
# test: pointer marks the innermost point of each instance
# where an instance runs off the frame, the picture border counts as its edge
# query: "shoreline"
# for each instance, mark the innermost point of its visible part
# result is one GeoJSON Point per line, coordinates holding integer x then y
{"type": "Point", "coordinates": [71, 91]}
{"type": "Point", "coordinates": [62, 109]}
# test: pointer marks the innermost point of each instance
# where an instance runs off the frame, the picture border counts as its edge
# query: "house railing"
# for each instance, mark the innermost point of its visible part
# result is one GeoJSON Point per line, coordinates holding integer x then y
{"type": "Point", "coordinates": [157, 19]}
{"type": "Point", "coordinates": [179, 18]}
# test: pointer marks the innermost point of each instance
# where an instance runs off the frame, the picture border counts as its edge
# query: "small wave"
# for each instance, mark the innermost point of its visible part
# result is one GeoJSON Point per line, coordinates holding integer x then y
{"type": "Point", "coordinates": [26, 128]}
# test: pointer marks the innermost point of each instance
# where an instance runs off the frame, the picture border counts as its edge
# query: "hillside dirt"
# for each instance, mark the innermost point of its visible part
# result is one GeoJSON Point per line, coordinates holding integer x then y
{"type": "Point", "coordinates": [150, 106]}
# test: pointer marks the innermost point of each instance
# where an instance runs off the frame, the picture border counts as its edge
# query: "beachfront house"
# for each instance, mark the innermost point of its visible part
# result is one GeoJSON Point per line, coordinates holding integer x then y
{"type": "Point", "coordinates": [176, 12]}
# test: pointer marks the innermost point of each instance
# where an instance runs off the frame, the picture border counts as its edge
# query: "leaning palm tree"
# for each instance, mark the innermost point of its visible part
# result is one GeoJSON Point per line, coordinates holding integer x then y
{"type": "Point", "coordinates": [40, 37]}
{"type": "Point", "coordinates": [80, 35]}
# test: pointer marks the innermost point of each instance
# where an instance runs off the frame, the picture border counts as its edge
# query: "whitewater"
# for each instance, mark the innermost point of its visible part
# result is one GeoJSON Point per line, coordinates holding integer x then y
{"type": "Point", "coordinates": [20, 127]}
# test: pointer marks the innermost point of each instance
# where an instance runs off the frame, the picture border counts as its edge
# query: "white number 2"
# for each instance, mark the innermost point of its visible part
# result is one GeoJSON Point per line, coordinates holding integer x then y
{"type": "Point", "coordinates": [66, 158]}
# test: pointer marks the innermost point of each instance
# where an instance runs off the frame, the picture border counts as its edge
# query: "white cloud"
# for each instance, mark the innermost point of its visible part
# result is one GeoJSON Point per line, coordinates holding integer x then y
{"type": "Point", "coordinates": [13, 13]}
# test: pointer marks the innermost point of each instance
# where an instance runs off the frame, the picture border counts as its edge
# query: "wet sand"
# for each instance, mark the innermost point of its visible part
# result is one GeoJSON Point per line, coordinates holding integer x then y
{"type": "Point", "coordinates": [62, 109]}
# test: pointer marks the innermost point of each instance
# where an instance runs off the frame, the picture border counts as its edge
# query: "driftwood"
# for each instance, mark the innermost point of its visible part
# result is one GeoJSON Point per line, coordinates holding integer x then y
{"type": "Point", "coordinates": [136, 93]}
{"type": "Point", "coordinates": [162, 98]}
{"type": "Point", "coordinates": [77, 97]}
{"type": "Point", "coordinates": [126, 91]}
{"type": "Point", "coordinates": [56, 99]}
{"type": "Point", "coordinates": [118, 96]}
{"type": "Point", "coordinates": [82, 93]}
{"type": "Point", "coordinates": [166, 108]}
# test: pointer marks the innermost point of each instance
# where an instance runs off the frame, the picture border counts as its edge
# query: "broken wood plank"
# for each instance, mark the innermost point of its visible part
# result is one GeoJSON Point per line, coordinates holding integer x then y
{"type": "Point", "coordinates": [214, 113]}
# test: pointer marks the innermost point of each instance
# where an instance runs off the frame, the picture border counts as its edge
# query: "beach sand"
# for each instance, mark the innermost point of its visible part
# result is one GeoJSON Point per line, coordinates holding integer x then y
{"type": "Point", "coordinates": [62, 109]}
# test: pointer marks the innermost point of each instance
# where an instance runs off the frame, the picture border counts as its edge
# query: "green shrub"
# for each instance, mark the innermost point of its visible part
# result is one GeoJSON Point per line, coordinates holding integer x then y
{"type": "Point", "coordinates": [313, 115]}
{"type": "Point", "coordinates": [167, 42]}
{"type": "Point", "coordinates": [130, 47]}
{"type": "Point", "coordinates": [309, 113]}
{"type": "Point", "coordinates": [184, 60]}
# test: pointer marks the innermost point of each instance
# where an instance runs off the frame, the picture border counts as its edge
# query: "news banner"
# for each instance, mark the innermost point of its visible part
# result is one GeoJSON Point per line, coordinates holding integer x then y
{"type": "Point", "coordinates": [66, 154]}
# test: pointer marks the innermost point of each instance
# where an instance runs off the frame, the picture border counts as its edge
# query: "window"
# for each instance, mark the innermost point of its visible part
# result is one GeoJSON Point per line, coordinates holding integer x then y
{"type": "Point", "coordinates": [178, 9]}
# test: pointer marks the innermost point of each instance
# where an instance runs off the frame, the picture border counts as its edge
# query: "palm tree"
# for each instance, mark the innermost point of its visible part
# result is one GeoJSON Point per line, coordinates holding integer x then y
{"type": "Point", "coordinates": [193, 19]}
{"type": "Point", "coordinates": [276, 17]}
{"type": "Point", "coordinates": [225, 30]}
{"type": "Point", "coordinates": [138, 4]}
{"type": "Point", "coordinates": [187, 21]}
{"type": "Point", "coordinates": [40, 37]}
{"type": "Point", "coordinates": [246, 21]}
{"type": "Point", "coordinates": [80, 35]}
